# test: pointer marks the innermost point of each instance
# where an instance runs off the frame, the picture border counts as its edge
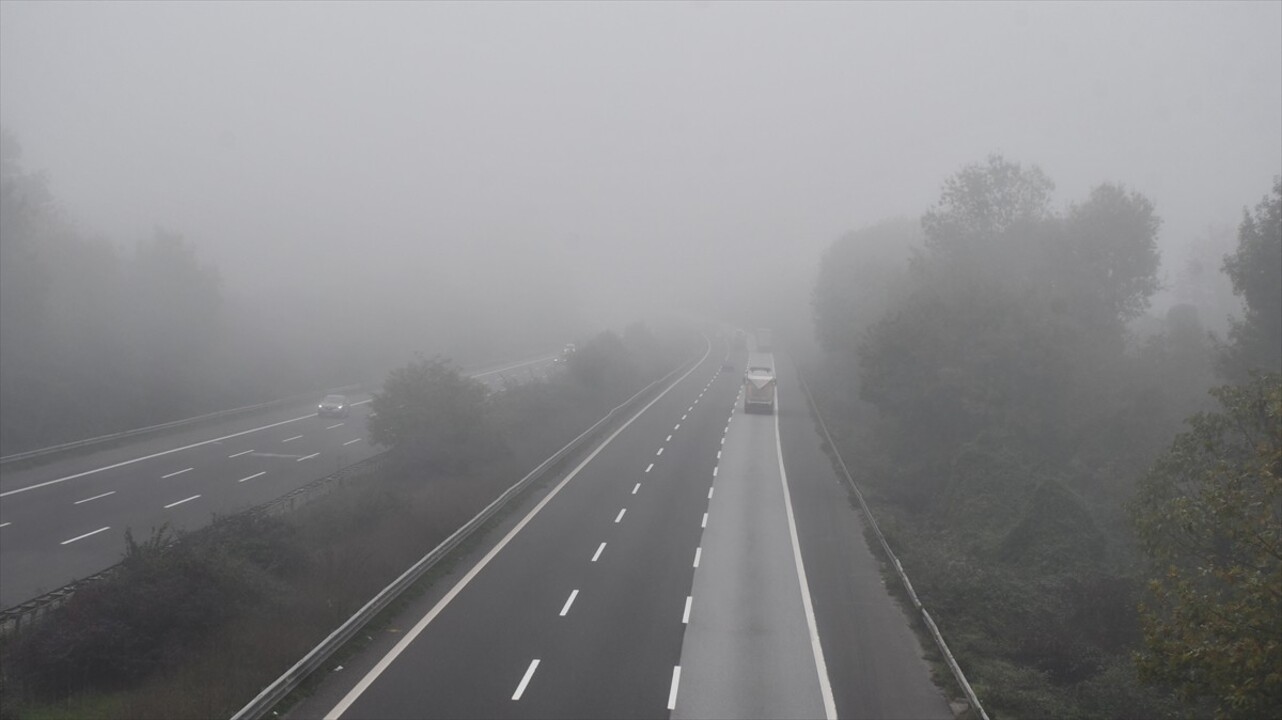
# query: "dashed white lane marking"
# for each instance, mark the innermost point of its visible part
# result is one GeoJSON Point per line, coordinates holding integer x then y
{"type": "Point", "coordinates": [619, 517]}
{"type": "Point", "coordinates": [704, 522]}
{"type": "Point", "coordinates": [718, 454]}
{"type": "Point", "coordinates": [529, 673]}
{"type": "Point", "coordinates": [723, 441]}
{"type": "Point", "coordinates": [683, 417]}
{"type": "Point", "coordinates": [685, 616]}
{"type": "Point", "coordinates": [698, 553]}
{"type": "Point", "coordinates": [714, 470]}
{"type": "Point", "coordinates": [5, 524]}
{"type": "Point", "coordinates": [291, 438]}
{"type": "Point", "coordinates": [95, 497]}
{"type": "Point", "coordinates": [180, 502]}
{"type": "Point", "coordinates": [409, 637]}
{"type": "Point", "coordinates": [669, 439]}
{"type": "Point", "coordinates": [710, 493]}
{"type": "Point", "coordinates": [598, 552]}
{"type": "Point", "coordinates": [676, 427]}
{"type": "Point", "coordinates": [251, 477]}
{"type": "Point", "coordinates": [568, 602]}
{"type": "Point", "coordinates": [173, 474]}
{"type": "Point", "coordinates": [82, 537]}
{"type": "Point", "coordinates": [307, 457]}
{"type": "Point", "coordinates": [349, 442]}
{"type": "Point", "coordinates": [660, 452]}
{"type": "Point", "coordinates": [243, 452]}
{"type": "Point", "coordinates": [649, 467]}
{"type": "Point", "coordinates": [331, 427]}
{"type": "Point", "coordinates": [635, 489]}
{"type": "Point", "coordinates": [676, 680]}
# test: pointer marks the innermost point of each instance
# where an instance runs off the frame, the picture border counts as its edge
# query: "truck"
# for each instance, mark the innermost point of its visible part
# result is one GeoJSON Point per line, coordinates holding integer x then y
{"type": "Point", "coordinates": [763, 340]}
{"type": "Point", "coordinates": [759, 384]}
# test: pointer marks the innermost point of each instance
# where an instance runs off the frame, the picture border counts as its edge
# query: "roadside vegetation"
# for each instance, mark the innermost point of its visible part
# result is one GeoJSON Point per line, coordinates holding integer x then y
{"type": "Point", "coordinates": [194, 625]}
{"type": "Point", "coordinates": [1015, 416]}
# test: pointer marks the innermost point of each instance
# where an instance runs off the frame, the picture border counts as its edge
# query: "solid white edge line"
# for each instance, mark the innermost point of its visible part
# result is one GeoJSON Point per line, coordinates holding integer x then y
{"type": "Point", "coordinates": [596, 555]}
{"type": "Point", "coordinates": [525, 680]}
{"type": "Point", "coordinates": [569, 601]}
{"type": "Point", "coordinates": [82, 537]}
{"type": "Point", "coordinates": [174, 474]}
{"type": "Point", "coordinates": [685, 616]}
{"type": "Point", "coordinates": [821, 667]}
{"type": "Point", "coordinates": [672, 693]}
{"type": "Point", "coordinates": [180, 502]}
{"type": "Point", "coordinates": [95, 497]}
{"type": "Point", "coordinates": [251, 477]}
{"type": "Point", "coordinates": [409, 637]}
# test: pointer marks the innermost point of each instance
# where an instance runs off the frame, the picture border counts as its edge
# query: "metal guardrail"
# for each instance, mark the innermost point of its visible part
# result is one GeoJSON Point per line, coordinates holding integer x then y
{"type": "Point", "coordinates": [286, 683]}
{"type": "Point", "coordinates": [29, 454]}
{"type": "Point", "coordinates": [958, 675]}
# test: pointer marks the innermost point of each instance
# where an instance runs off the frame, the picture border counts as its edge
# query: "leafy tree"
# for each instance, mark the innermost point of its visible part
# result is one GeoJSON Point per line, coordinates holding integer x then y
{"type": "Point", "coordinates": [1256, 271]}
{"type": "Point", "coordinates": [432, 416]}
{"type": "Point", "coordinates": [1209, 515]}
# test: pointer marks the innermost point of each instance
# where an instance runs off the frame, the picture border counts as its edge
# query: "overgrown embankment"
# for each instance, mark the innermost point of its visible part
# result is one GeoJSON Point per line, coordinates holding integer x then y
{"type": "Point", "coordinates": [196, 625]}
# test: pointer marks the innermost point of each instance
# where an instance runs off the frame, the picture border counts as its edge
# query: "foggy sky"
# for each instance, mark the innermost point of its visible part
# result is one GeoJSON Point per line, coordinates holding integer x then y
{"type": "Point", "coordinates": [614, 156]}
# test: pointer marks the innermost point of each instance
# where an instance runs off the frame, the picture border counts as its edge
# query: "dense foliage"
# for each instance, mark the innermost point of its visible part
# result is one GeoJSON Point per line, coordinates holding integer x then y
{"type": "Point", "coordinates": [1001, 410]}
{"type": "Point", "coordinates": [1209, 514]}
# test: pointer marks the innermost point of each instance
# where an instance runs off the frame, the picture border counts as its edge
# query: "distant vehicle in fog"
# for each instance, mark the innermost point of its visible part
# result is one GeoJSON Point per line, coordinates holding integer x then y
{"type": "Point", "coordinates": [333, 406]}
{"type": "Point", "coordinates": [759, 385]}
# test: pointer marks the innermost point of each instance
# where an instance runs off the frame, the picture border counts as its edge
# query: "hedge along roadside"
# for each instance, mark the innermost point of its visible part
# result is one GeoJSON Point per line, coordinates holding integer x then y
{"type": "Point", "coordinates": [958, 675]}
{"type": "Point", "coordinates": [292, 678]}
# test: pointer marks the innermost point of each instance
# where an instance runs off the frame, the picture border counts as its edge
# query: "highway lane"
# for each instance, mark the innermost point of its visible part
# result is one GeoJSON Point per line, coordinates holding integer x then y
{"type": "Point", "coordinates": [662, 577]}
{"type": "Point", "coordinates": [66, 519]}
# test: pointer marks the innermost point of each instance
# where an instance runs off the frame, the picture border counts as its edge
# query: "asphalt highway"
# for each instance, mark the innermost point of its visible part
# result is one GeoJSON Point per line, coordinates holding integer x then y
{"type": "Point", "coordinates": [66, 519]}
{"type": "Point", "coordinates": [670, 573]}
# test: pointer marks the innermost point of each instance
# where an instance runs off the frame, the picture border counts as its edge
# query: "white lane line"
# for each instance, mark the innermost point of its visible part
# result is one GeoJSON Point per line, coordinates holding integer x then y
{"type": "Point", "coordinates": [710, 493]}
{"type": "Point", "coordinates": [619, 517]}
{"type": "Point", "coordinates": [672, 694]}
{"type": "Point", "coordinates": [596, 555]}
{"type": "Point", "coordinates": [704, 522]}
{"type": "Point", "coordinates": [676, 427]}
{"type": "Point", "coordinates": [349, 442]}
{"type": "Point", "coordinates": [698, 553]}
{"type": "Point", "coordinates": [409, 637]}
{"type": "Point", "coordinates": [685, 616]}
{"type": "Point", "coordinates": [95, 497]}
{"type": "Point", "coordinates": [162, 453]}
{"type": "Point", "coordinates": [660, 452]}
{"type": "Point", "coordinates": [82, 537]}
{"type": "Point", "coordinates": [180, 502]}
{"type": "Point", "coordinates": [243, 452]}
{"type": "Point", "coordinates": [825, 686]}
{"type": "Point", "coordinates": [568, 602]}
{"type": "Point", "coordinates": [714, 470]}
{"type": "Point", "coordinates": [683, 417]}
{"type": "Point", "coordinates": [307, 457]}
{"type": "Point", "coordinates": [331, 427]}
{"type": "Point", "coordinates": [529, 673]}
{"type": "Point", "coordinates": [635, 489]}
{"type": "Point", "coordinates": [718, 454]}
{"type": "Point", "coordinates": [173, 474]}
{"type": "Point", "coordinates": [669, 439]}
{"type": "Point", "coordinates": [290, 439]}
{"type": "Point", "coordinates": [723, 441]}
{"type": "Point", "coordinates": [649, 467]}
{"type": "Point", "coordinates": [5, 524]}
{"type": "Point", "coordinates": [251, 477]}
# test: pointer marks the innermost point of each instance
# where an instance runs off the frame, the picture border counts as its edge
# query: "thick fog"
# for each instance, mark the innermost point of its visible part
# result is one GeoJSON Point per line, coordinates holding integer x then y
{"type": "Point", "coordinates": [433, 172]}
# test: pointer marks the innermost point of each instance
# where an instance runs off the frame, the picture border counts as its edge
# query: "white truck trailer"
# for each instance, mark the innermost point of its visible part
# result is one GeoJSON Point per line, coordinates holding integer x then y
{"type": "Point", "coordinates": [759, 384]}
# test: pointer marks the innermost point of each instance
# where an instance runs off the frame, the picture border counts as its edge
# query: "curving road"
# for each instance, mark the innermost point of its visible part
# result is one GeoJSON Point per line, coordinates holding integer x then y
{"type": "Point", "coordinates": [66, 519]}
